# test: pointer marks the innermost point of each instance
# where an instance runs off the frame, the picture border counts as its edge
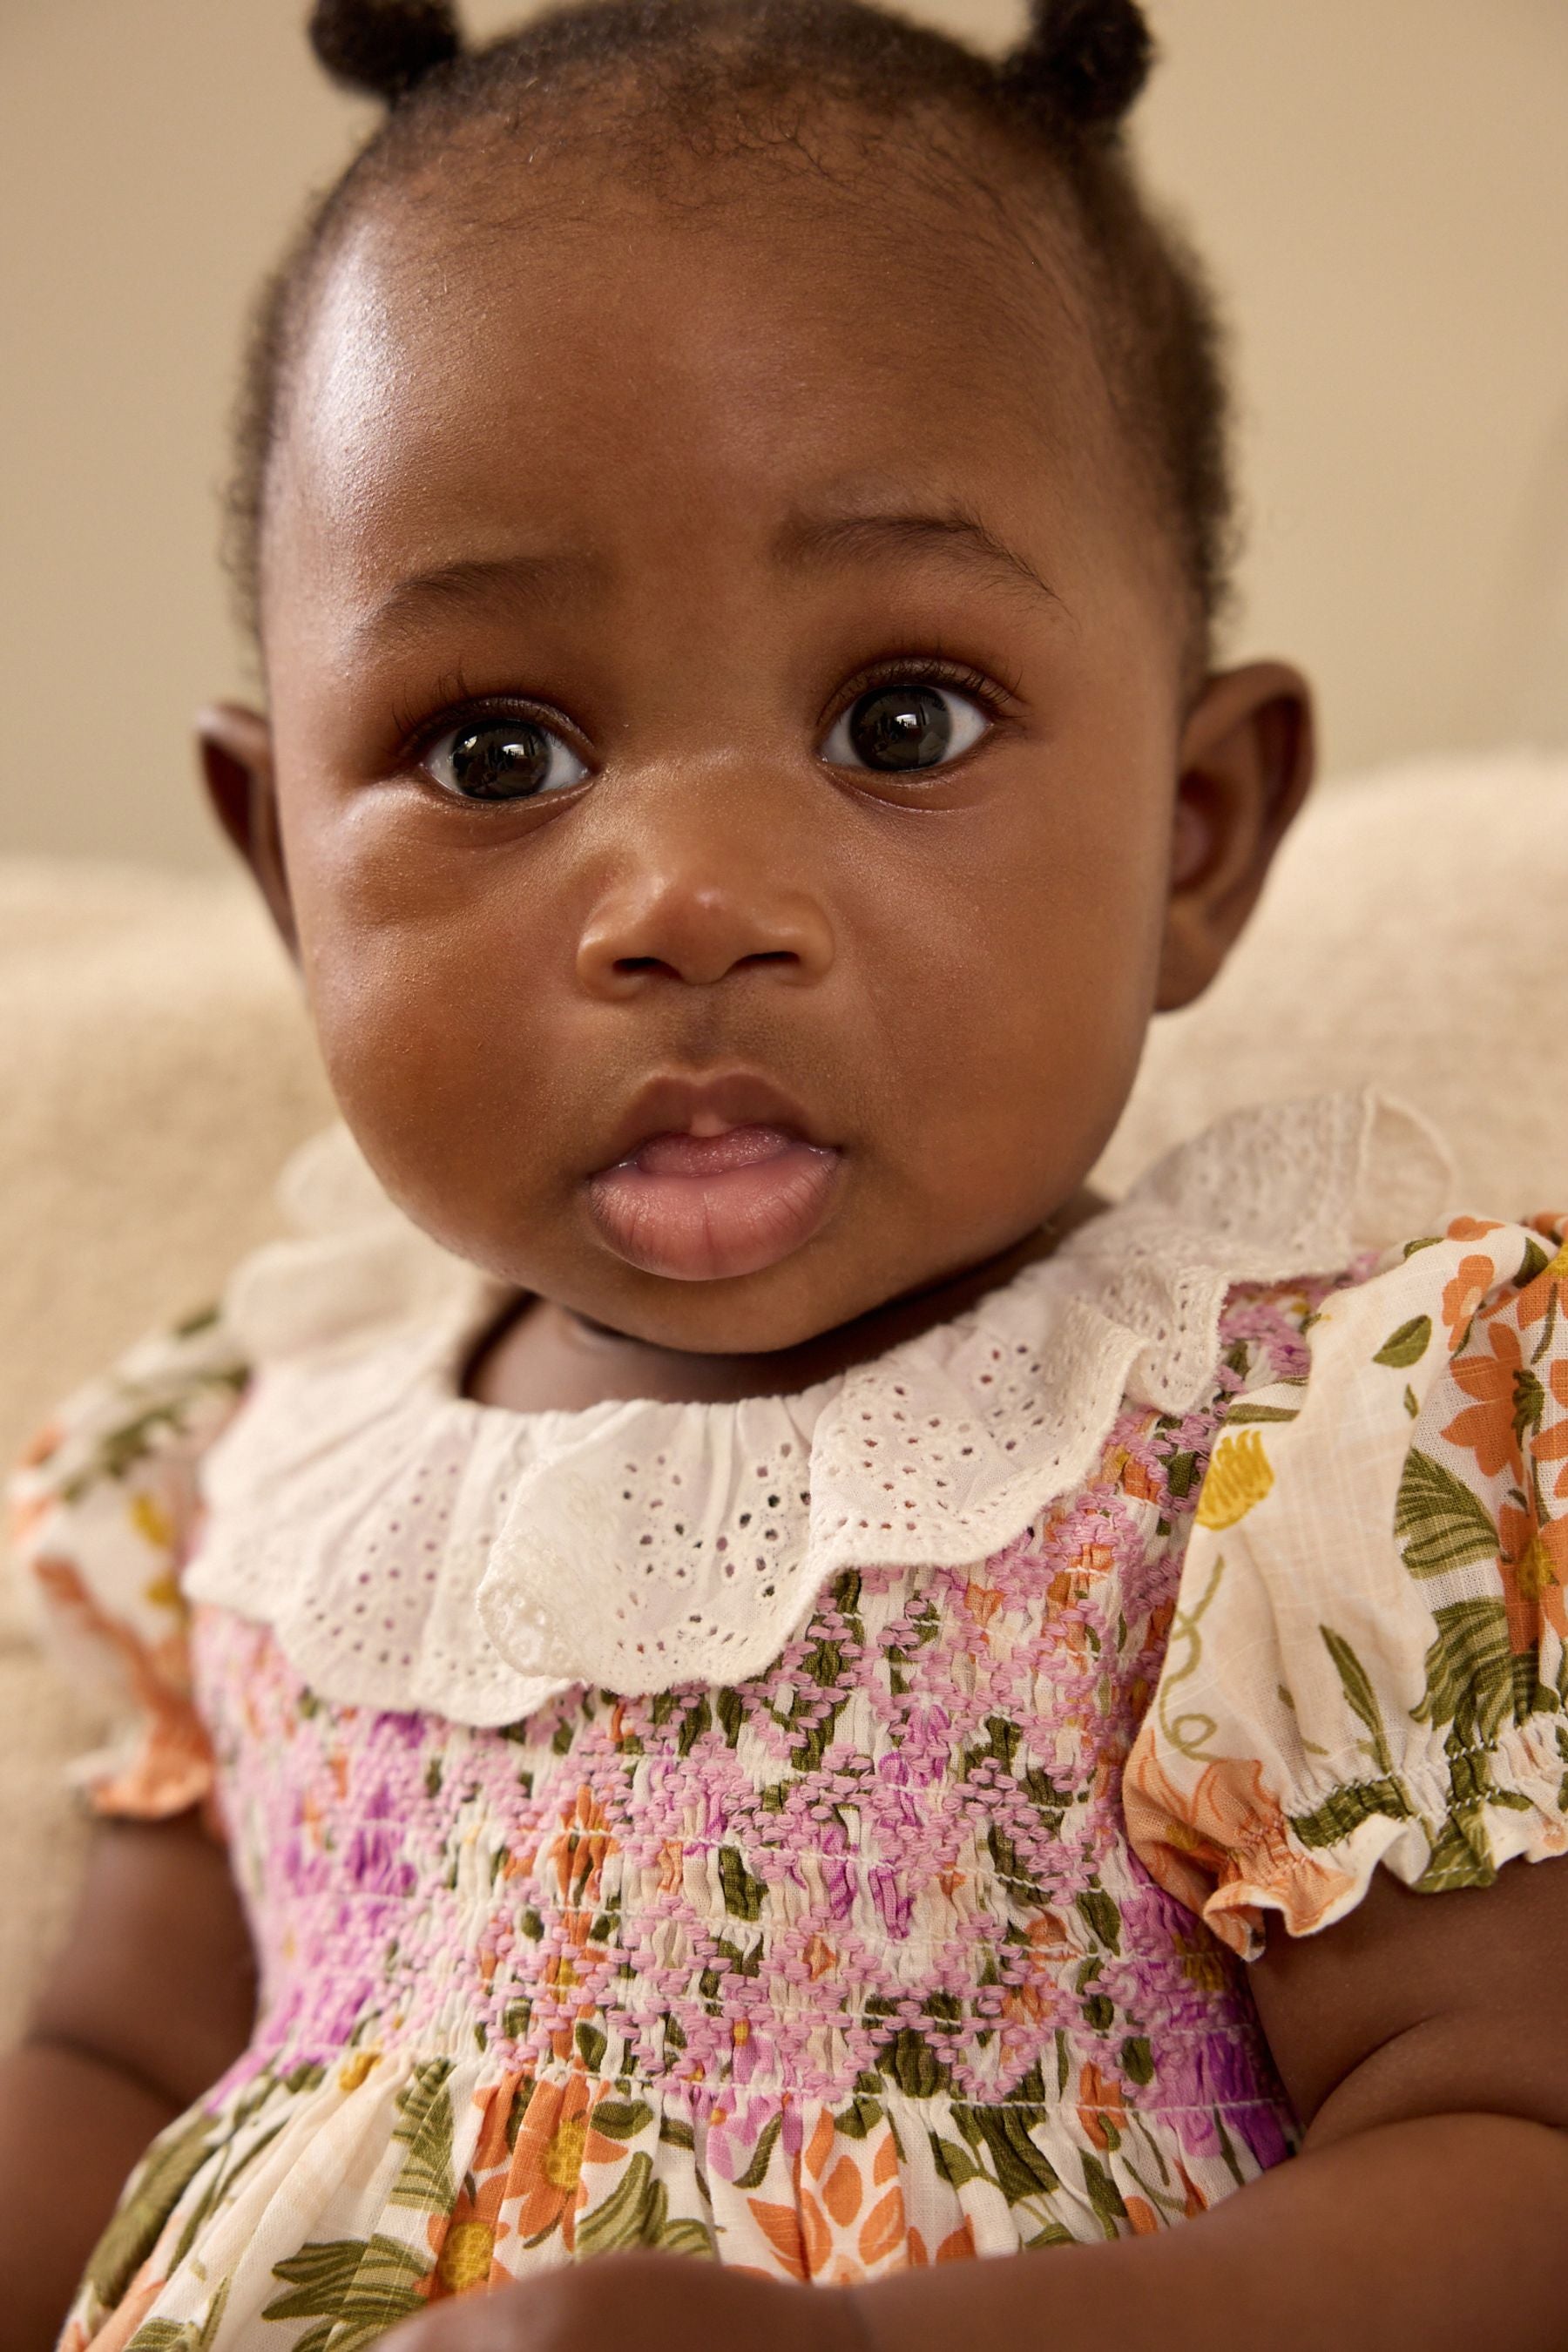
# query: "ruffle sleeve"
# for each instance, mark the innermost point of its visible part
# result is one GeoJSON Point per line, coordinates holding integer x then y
{"type": "Point", "coordinates": [1366, 1662]}
{"type": "Point", "coordinates": [102, 1511]}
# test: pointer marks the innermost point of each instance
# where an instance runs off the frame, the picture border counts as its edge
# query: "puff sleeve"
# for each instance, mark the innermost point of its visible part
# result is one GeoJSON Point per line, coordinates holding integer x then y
{"type": "Point", "coordinates": [1366, 1662]}
{"type": "Point", "coordinates": [102, 1511]}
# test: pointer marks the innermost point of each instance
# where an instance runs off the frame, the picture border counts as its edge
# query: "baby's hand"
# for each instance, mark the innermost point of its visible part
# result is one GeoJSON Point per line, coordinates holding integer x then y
{"type": "Point", "coordinates": [660, 2303]}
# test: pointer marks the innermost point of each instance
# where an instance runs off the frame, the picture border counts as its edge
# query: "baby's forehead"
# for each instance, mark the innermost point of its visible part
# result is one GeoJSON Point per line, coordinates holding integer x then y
{"type": "Point", "coordinates": [564, 319]}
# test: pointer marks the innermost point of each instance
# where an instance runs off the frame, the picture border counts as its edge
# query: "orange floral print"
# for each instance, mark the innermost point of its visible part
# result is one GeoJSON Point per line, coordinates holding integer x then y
{"type": "Point", "coordinates": [547, 2161]}
{"type": "Point", "coordinates": [171, 1768]}
{"type": "Point", "coordinates": [1220, 1844]}
{"type": "Point", "coordinates": [958, 2246]}
{"type": "Point", "coordinates": [1100, 2095]}
{"type": "Point", "coordinates": [1463, 1295]}
{"type": "Point", "coordinates": [1533, 1561]}
{"type": "Point", "coordinates": [465, 2241]}
{"type": "Point", "coordinates": [1552, 1444]}
{"type": "Point", "coordinates": [1486, 1428]}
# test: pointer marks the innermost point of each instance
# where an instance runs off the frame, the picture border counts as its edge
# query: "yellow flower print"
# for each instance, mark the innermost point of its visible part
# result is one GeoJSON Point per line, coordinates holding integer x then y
{"type": "Point", "coordinates": [466, 2254]}
{"type": "Point", "coordinates": [1238, 1477]}
{"type": "Point", "coordinates": [152, 1522]}
{"type": "Point", "coordinates": [563, 2158]}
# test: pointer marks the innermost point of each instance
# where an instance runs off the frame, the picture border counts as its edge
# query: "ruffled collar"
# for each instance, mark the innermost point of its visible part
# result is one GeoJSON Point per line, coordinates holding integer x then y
{"type": "Point", "coordinates": [413, 1548]}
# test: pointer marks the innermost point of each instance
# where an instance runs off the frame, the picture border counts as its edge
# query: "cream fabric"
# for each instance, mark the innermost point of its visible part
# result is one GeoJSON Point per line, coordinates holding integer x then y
{"type": "Point", "coordinates": [157, 1073]}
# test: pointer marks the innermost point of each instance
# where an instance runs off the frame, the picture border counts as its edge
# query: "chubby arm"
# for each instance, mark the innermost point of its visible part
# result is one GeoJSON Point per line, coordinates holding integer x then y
{"type": "Point", "coordinates": [151, 1999]}
{"type": "Point", "coordinates": [1424, 2043]}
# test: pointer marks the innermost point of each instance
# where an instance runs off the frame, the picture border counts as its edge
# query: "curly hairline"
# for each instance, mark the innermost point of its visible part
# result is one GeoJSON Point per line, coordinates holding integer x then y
{"type": "Point", "coordinates": [1151, 308]}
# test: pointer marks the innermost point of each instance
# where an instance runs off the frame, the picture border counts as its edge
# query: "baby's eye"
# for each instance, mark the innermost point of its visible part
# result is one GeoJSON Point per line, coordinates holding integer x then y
{"type": "Point", "coordinates": [906, 723]}
{"type": "Point", "coordinates": [502, 758]}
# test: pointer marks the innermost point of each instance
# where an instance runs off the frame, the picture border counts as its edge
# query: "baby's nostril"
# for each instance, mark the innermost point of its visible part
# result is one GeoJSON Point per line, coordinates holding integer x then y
{"type": "Point", "coordinates": [771, 955]}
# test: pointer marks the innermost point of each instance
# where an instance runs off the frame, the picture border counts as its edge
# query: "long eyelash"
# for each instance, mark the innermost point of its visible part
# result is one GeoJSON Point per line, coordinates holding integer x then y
{"type": "Point", "coordinates": [943, 669]}
{"type": "Point", "coordinates": [411, 725]}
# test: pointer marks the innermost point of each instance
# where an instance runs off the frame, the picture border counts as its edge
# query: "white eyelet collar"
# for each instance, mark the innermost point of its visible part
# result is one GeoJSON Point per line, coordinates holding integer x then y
{"type": "Point", "coordinates": [411, 1548]}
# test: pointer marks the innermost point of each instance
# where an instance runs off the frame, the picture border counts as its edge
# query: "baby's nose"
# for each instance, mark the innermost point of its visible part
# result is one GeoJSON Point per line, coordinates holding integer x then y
{"type": "Point", "coordinates": [671, 923]}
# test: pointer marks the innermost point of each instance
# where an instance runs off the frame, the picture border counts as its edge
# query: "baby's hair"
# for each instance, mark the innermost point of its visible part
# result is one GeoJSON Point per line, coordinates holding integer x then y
{"type": "Point", "coordinates": [1057, 103]}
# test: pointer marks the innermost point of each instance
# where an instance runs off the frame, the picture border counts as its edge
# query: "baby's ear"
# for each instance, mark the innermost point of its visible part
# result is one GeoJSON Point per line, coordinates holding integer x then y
{"type": "Point", "coordinates": [1246, 765]}
{"type": "Point", "coordinates": [234, 748]}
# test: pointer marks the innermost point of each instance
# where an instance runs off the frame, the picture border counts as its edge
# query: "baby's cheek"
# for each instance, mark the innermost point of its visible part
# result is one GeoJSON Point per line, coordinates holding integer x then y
{"type": "Point", "coordinates": [1001, 1067]}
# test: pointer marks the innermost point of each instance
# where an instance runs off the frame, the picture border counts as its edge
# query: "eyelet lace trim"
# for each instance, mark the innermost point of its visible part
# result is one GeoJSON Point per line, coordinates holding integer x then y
{"type": "Point", "coordinates": [414, 1549]}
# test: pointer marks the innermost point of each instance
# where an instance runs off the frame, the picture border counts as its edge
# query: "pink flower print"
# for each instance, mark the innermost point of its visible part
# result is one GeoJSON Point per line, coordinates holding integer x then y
{"type": "Point", "coordinates": [894, 1899]}
{"type": "Point", "coordinates": [375, 1863]}
{"type": "Point", "coordinates": [839, 1885]}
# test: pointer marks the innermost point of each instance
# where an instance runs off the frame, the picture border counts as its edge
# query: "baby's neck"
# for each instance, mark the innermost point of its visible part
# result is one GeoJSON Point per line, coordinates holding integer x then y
{"type": "Point", "coordinates": [541, 1358]}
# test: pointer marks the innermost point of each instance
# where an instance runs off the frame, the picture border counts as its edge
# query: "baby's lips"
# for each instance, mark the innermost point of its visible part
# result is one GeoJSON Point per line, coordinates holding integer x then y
{"type": "Point", "coordinates": [701, 1106]}
{"type": "Point", "coordinates": [711, 1155]}
{"type": "Point", "coordinates": [711, 1208]}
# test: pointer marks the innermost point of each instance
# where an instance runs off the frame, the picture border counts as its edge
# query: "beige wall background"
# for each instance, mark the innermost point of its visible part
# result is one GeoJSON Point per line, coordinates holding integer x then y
{"type": "Point", "coordinates": [1381, 185]}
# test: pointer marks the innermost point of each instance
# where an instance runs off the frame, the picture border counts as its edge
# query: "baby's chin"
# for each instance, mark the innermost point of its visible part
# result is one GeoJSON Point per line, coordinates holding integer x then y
{"type": "Point", "coordinates": [789, 1308]}
{"type": "Point", "coordinates": [838, 1301]}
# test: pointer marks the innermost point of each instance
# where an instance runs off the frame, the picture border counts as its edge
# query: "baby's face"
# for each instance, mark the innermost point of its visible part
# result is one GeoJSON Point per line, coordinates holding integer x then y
{"type": "Point", "coordinates": [726, 704]}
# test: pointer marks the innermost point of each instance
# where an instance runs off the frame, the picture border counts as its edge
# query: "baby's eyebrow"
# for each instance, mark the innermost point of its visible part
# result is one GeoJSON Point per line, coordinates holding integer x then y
{"type": "Point", "coordinates": [955, 527]}
{"type": "Point", "coordinates": [516, 579]}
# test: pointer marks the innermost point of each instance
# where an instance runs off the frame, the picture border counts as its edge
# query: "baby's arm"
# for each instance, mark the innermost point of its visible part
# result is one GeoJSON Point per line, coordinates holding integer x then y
{"type": "Point", "coordinates": [151, 1999]}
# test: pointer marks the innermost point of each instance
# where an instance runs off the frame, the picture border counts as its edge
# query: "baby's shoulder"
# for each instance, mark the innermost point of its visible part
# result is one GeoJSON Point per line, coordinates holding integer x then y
{"type": "Point", "coordinates": [102, 1509]}
{"type": "Point", "coordinates": [1369, 1652]}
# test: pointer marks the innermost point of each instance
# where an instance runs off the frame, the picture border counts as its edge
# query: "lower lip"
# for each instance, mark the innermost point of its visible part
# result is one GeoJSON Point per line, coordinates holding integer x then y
{"type": "Point", "coordinates": [707, 1208]}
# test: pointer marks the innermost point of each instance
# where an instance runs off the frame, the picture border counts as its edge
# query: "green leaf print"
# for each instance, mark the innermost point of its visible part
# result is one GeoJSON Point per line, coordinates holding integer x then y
{"type": "Point", "coordinates": [121, 1449]}
{"type": "Point", "coordinates": [181, 2334]}
{"type": "Point", "coordinates": [910, 2061]}
{"type": "Point", "coordinates": [1440, 1523]}
{"type": "Point", "coordinates": [631, 2215]}
{"type": "Point", "coordinates": [425, 2127]}
{"type": "Point", "coordinates": [1104, 2196]}
{"type": "Point", "coordinates": [1534, 1261]}
{"type": "Point", "coordinates": [1529, 1403]}
{"type": "Point", "coordinates": [860, 2117]}
{"type": "Point", "coordinates": [954, 2163]}
{"type": "Point", "coordinates": [1180, 1472]}
{"type": "Point", "coordinates": [1100, 1917]}
{"type": "Point", "coordinates": [1054, 2234]}
{"type": "Point", "coordinates": [688, 2237]}
{"type": "Point", "coordinates": [1460, 1857]}
{"type": "Point", "coordinates": [1359, 1696]}
{"type": "Point", "coordinates": [693, 1723]}
{"type": "Point", "coordinates": [1021, 2171]}
{"type": "Point", "coordinates": [592, 2042]}
{"type": "Point", "coordinates": [166, 2173]}
{"type": "Point", "coordinates": [756, 2172]}
{"type": "Point", "coordinates": [621, 2118]}
{"type": "Point", "coordinates": [636, 2213]}
{"type": "Point", "coordinates": [731, 1708]}
{"type": "Point", "coordinates": [1470, 1679]}
{"type": "Point", "coordinates": [357, 2286]}
{"type": "Point", "coordinates": [1344, 1809]}
{"type": "Point", "coordinates": [1137, 2060]}
{"type": "Point", "coordinates": [1407, 1344]}
{"type": "Point", "coordinates": [742, 1893]}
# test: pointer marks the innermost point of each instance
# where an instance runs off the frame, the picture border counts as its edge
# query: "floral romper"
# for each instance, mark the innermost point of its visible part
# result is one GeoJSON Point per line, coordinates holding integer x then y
{"type": "Point", "coordinates": [821, 1833]}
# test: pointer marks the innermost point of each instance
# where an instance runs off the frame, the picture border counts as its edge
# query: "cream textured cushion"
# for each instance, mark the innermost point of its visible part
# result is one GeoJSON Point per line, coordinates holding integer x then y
{"type": "Point", "coordinates": [158, 1070]}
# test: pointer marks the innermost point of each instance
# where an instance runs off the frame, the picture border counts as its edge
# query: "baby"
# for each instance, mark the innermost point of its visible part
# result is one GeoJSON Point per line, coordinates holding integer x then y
{"type": "Point", "coordinates": [724, 1667]}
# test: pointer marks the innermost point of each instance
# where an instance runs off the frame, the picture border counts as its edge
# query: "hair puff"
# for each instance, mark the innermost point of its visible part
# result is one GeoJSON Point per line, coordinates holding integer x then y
{"type": "Point", "coordinates": [385, 47]}
{"type": "Point", "coordinates": [1088, 59]}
